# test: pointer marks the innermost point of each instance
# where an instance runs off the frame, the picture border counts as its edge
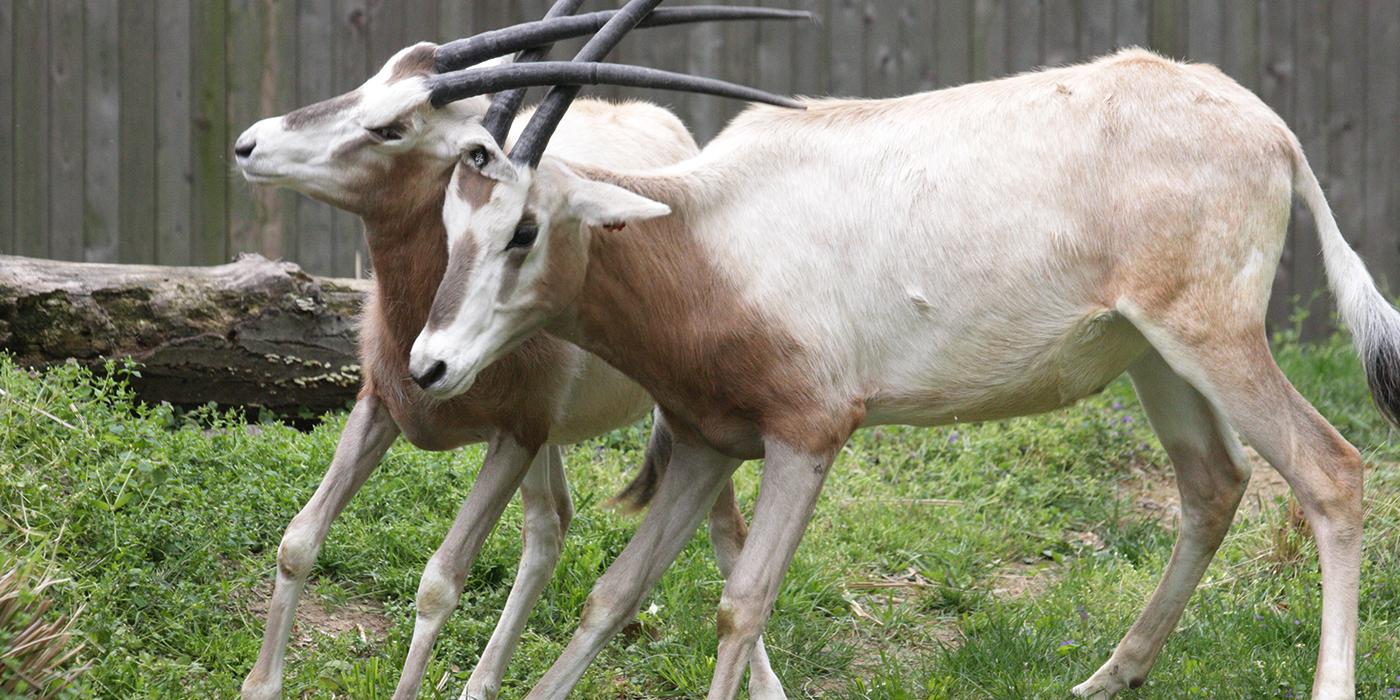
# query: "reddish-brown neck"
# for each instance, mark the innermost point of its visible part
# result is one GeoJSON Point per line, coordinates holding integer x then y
{"type": "Point", "coordinates": [408, 249]}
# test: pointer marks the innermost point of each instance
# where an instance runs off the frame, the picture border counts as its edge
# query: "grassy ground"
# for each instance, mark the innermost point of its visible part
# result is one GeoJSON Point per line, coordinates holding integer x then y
{"type": "Point", "coordinates": [1001, 560]}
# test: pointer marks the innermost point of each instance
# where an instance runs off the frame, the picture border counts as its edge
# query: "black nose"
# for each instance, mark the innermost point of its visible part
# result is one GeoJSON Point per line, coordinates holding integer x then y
{"type": "Point", "coordinates": [243, 149]}
{"type": "Point", "coordinates": [431, 376]}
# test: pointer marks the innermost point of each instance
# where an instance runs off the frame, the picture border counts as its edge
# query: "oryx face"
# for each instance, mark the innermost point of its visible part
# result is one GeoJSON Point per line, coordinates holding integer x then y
{"type": "Point", "coordinates": [518, 249]}
{"type": "Point", "coordinates": [344, 151]}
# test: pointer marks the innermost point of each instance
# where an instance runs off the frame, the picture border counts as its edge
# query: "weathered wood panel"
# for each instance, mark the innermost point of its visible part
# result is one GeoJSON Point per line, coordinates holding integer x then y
{"type": "Point", "coordinates": [8, 244]}
{"type": "Point", "coordinates": [117, 117]}
{"type": "Point", "coordinates": [66, 129]}
{"type": "Point", "coordinates": [174, 144]}
{"type": "Point", "coordinates": [136, 148]}
{"type": "Point", "coordinates": [209, 202]}
{"type": "Point", "coordinates": [102, 165]}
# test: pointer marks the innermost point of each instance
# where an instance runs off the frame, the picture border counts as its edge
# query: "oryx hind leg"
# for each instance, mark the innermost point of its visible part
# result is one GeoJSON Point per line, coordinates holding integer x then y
{"type": "Point", "coordinates": [1220, 347]}
{"type": "Point", "coordinates": [1211, 475]}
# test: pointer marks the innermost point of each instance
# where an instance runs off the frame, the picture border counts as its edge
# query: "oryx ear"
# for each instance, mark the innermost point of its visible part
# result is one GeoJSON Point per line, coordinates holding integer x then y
{"type": "Point", "coordinates": [600, 204]}
{"type": "Point", "coordinates": [480, 153]}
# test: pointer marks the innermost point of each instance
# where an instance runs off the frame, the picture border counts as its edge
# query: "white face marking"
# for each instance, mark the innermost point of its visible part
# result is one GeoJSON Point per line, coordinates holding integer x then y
{"type": "Point", "coordinates": [529, 241]}
{"type": "Point", "coordinates": [331, 151]}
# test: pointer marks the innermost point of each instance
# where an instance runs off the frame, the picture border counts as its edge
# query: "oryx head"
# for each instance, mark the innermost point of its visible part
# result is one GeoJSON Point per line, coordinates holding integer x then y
{"type": "Point", "coordinates": [402, 125]}
{"type": "Point", "coordinates": [518, 228]}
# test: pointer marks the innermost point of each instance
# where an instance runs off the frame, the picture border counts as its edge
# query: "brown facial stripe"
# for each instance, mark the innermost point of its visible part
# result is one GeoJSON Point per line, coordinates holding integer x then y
{"type": "Point", "coordinates": [453, 289]}
{"type": "Point", "coordinates": [474, 188]}
{"type": "Point", "coordinates": [416, 62]}
{"type": "Point", "coordinates": [314, 113]}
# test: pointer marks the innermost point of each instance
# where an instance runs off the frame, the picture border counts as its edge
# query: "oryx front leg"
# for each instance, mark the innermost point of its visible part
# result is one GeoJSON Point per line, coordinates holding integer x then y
{"type": "Point", "coordinates": [792, 481]}
{"type": "Point", "coordinates": [727, 535]}
{"type": "Point", "coordinates": [1211, 475]}
{"type": "Point", "coordinates": [544, 496]}
{"type": "Point", "coordinates": [689, 487]}
{"type": "Point", "coordinates": [441, 586]}
{"type": "Point", "coordinates": [369, 430]}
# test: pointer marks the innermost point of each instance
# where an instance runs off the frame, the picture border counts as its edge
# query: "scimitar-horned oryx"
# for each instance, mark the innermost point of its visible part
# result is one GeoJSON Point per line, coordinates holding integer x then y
{"type": "Point", "coordinates": [385, 152]}
{"type": "Point", "coordinates": [986, 251]}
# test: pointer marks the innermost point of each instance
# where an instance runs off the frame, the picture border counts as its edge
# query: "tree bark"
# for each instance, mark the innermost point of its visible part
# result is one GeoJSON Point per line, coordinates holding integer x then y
{"type": "Point", "coordinates": [251, 333]}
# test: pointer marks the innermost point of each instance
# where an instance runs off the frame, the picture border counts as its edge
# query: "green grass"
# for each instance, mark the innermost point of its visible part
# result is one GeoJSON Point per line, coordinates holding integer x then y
{"type": "Point", "coordinates": [165, 523]}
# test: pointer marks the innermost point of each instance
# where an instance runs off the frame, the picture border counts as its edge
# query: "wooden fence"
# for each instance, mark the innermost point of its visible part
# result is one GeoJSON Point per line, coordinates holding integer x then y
{"type": "Point", "coordinates": [117, 116]}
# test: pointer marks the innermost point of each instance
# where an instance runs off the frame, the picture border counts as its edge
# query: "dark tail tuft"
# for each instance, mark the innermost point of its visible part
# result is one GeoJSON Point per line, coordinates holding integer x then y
{"type": "Point", "coordinates": [1382, 361]}
{"type": "Point", "coordinates": [637, 495]}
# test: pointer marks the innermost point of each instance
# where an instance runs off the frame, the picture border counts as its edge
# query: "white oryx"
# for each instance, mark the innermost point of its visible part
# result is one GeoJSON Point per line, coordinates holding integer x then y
{"type": "Point", "coordinates": [976, 253]}
{"type": "Point", "coordinates": [385, 153]}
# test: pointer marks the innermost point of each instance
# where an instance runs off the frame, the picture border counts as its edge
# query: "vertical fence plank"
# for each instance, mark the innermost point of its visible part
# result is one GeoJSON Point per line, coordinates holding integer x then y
{"type": "Point", "coordinates": [740, 65]}
{"type": "Point", "coordinates": [1313, 51]}
{"type": "Point", "coordinates": [706, 57]}
{"type": "Point", "coordinates": [953, 37]}
{"type": "Point", "coordinates": [1024, 33]}
{"type": "Point", "coordinates": [1382, 145]}
{"type": "Point", "coordinates": [102, 162]}
{"type": "Point", "coordinates": [917, 48]}
{"type": "Point", "coordinates": [1241, 47]}
{"type": "Point", "coordinates": [454, 20]}
{"type": "Point", "coordinates": [137, 146]}
{"type": "Point", "coordinates": [315, 239]}
{"type": "Point", "coordinates": [1096, 36]}
{"type": "Point", "coordinates": [420, 21]}
{"type": "Point", "coordinates": [1205, 23]}
{"type": "Point", "coordinates": [210, 201]}
{"type": "Point", "coordinates": [988, 39]}
{"type": "Point", "coordinates": [243, 54]}
{"type": "Point", "coordinates": [351, 61]}
{"type": "Point", "coordinates": [386, 30]}
{"type": "Point", "coordinates": [1132, 23]}
{"type": "Point", "coordinates": [810, 75]}
{"type": "Point", "coordinates": [847, 49]}
{"type": "Point", "coordinates": [8, 244]}
{"type": "Point", "coordinates": [66, 134]}
{"type": "Point", "coordinates": [1169, 32]}
{"type": "Point", "coordinates": [1278, 81]}
{"type": "Point", "coordinates": [883, 56]}
{"type": "Point", "coordinates": [173, 128]}
{"type": "Point", "coordinates": [31, 128]}
{"type": "Point", "coordinates": [1061, 22]}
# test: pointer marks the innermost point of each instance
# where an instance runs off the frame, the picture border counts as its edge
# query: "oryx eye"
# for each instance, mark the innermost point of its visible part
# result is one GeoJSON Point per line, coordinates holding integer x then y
{"type": "Point", "coordinates": [391, 132]}
{"type": "Point", "coordinates": [524, 237]}
{"type": "Point", "coordinates": [479, 157]}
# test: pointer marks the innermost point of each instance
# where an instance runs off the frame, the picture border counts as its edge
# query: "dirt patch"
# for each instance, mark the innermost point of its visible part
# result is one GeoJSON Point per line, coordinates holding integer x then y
{"type": "Point", "coordinates": [315, 615]}
{"type": "Point", "coordinates": [1019, 580]}
{"type": "Point", "coordinates": [1152, 490]}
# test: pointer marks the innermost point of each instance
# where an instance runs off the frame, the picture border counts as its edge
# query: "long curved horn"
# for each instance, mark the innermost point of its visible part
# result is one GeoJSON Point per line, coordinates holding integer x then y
{"type": "Point", "coordinates": [505, 105]}
{"type": "Point", "coordinates": [464, 53]}
{"type": "Point", "coordinates": [532, 141]}
{"type": "Point", "coordinates": [573, 74]}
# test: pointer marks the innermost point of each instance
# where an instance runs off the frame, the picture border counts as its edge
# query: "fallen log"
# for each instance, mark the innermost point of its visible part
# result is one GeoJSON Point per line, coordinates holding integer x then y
{"type": "Point", "coordinates": [251, 333]}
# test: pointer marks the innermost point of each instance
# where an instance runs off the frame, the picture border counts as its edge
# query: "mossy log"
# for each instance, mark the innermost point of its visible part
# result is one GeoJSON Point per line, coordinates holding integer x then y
{"type": "Point", "coordinates": [251, 333]}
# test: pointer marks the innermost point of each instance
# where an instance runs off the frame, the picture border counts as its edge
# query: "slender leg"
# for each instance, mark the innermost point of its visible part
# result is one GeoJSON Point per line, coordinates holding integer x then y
{"type": "Point", "coordinates": [1236, 372]}
{"type": "Point", "coordinates": [727, 534]}
{"type": "Point", "coordinates": [792, 481]}
{"type": "Point", "coordinates": [548, 510]}
{"type": "Point", "coordinates": [369, 430]}
{"type": "Point", "coordinates": [1211, 475]}
{"type": "Point", "coordinates": [692, 481]}
{"type": "Point", "coordinates": [441, 586]}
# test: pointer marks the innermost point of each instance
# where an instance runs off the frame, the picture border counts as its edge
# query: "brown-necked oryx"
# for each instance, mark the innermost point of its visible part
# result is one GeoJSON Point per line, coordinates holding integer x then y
{"type": "Point", "coordinates": [986, 251]}
{"type": "Point", "coordinates": [385, 152]}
